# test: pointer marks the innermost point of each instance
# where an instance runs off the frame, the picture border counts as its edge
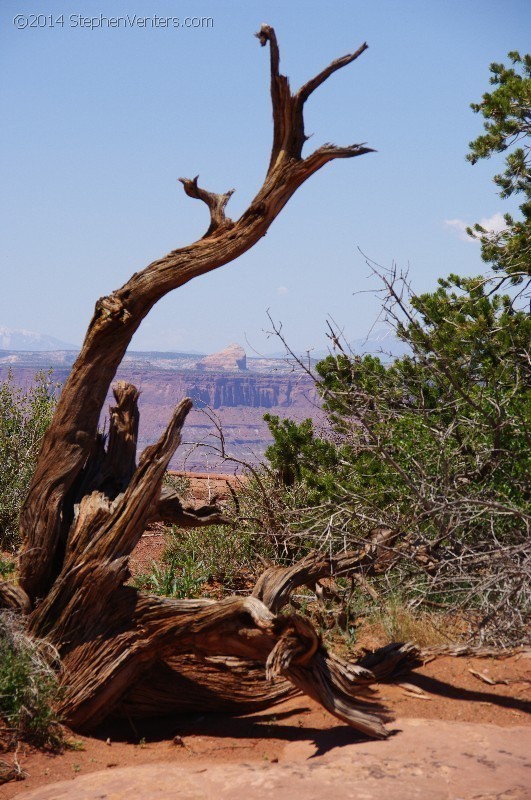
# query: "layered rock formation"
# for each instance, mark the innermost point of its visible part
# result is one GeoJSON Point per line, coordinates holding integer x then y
{"type": "Point", "coordinates": [253, 391]}
{"type": "Point", "coordinates": [237, 400]}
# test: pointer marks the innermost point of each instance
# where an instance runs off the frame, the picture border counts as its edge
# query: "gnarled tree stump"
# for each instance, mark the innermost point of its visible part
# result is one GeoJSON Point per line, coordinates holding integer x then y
{"type": "Point", "coordinates": [89, 503]}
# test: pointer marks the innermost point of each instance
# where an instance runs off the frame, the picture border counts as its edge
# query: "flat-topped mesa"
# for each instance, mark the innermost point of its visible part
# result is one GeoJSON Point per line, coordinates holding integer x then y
{"type": "Point", "coordinates": [231, 359]}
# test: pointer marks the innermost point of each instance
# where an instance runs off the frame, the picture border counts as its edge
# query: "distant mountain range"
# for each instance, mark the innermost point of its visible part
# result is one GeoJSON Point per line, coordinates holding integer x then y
{"type": "Point", "coordinates": [23, 346]}
{"type": "Point", "coordinates": [19, 339]}
{"type": "Point", "coordinates": [144, 362]}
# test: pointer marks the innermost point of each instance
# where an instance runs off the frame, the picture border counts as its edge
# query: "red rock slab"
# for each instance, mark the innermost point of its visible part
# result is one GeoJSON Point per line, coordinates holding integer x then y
{"type": "Point", "coordinates": [426, 760]}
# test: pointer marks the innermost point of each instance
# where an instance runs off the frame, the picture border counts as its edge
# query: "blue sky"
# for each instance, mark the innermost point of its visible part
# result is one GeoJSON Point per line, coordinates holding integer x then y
{"type": "Point", "coordinates": [99, 124]}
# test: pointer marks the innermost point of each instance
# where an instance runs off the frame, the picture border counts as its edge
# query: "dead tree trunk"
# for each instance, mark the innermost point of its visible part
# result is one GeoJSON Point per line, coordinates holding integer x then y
{"type": "Point", "coordinates": [88, 504]}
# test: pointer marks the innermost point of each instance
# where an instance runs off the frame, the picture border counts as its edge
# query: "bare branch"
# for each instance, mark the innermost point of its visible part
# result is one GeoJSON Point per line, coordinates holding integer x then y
{"type": "Point", "coordinates": [328, 152]}
{"type": "Point", "coordinates": [311, 85]}
{"type": "Point", "coordinates": [215, 202]}
{"type": "Point", "coordinates": [267, 34]}
{"type": "Point", "coordinates": [281, 99]}
{"type": "Point", "coordinates": [169, 508]}
{"type": "Point", "coordinates": [288, 118]}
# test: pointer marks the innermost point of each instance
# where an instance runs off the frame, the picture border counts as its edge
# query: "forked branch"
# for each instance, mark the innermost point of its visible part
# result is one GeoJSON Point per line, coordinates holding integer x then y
{"type": "Point", "coordinates": [215, 202]}
{"type": "Point", "coordinates": [288, 108]}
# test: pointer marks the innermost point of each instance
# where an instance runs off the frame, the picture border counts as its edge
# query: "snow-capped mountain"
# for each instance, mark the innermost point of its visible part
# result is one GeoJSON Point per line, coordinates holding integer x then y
{"type": "Point", "coordinates": [19, 339]}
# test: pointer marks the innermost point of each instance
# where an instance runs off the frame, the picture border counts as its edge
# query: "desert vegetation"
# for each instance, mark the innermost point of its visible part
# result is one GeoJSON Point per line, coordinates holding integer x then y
{"type": "Point", "coordinates": [426, 458]}
{"type": "Point", "coordinates": [25, 414]}
{"type": "Point", "coordinates": [414, 499]}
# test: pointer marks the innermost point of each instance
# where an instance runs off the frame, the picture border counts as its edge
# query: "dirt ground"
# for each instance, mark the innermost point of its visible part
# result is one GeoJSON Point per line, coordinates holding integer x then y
{"type": "Point", "coordinates": [483, 691]}
{"type": "Point", "coordinates": [450, 692]}
{"type": "Point", "coordinates": [149, 549]}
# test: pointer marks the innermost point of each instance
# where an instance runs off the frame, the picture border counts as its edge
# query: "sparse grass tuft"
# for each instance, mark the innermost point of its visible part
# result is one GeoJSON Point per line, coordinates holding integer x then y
{"type": "Point", "coordinates": [180, 483]}
{"type": "Point", "coordinates": [177, 577]}
{"type": "Point", "coordinates": [396, 622]}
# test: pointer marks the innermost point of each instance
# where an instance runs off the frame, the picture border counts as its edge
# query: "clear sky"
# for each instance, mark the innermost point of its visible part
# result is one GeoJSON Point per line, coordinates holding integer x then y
{"type": "Point", "coordinates": [99, 124]}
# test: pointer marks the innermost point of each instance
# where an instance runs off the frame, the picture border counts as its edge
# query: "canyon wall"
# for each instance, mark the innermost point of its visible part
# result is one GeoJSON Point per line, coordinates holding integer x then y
{"type": "Point", "coordinates": [236, 401]}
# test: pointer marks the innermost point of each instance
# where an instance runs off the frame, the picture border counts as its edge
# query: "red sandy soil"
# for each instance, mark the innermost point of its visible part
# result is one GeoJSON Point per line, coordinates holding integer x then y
{"type": "Point", "coordinates": [451, 692]}
{"type": "Point", "coordinates": [149, 549]}
{"type": "Point", "coordinates": [448, 691]}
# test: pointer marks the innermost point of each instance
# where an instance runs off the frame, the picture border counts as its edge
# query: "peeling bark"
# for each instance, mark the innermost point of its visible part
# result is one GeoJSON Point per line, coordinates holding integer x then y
{"type": "Point", "coordinates": [14, 598]}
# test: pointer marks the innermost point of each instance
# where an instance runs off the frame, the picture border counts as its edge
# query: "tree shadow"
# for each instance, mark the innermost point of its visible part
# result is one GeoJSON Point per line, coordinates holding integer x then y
{"type": "Point", "coordinates": [438, 687]}
{"type": "Point", "coordinates": [222, 726]}
{"type": "Point", "coordinates": [274, 725]}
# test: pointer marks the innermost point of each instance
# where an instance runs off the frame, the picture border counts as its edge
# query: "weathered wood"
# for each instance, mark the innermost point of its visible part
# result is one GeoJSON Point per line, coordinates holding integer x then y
{"type": "Point", "coordinates": [239, 686]}
{"type": "Point", "coordinates": [89, 503]}
{"type": "Point", "coordinates": [70, 439]}
{"type": "Point", "coordinates": [169, 508]}
{"type": "Point", "coordinates": [108, 635]}
{"type": "Point", "coordinates": [101, 673]}
{"type": "Point", "coordinates": [219, 222]}
{"type": "Point", "coordinates": [276, 584]}
{"type": "Point", "coordinates": [120, 460]}
{"type": "Point", "coordinates": [392, 661]}
{"type": "Point", "coordinates": [181, 684]}
{"type": "Point", "coordinates": [14, 598]}
{"type": "Point", "coordinates": [103, 535]}
{"type": "Point", "coordinates": [112, 461]}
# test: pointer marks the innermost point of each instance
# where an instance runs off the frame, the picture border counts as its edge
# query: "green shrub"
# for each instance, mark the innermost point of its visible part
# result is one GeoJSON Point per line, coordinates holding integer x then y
{"type": "Point", "coordinates": [435, 446]}
{"type": "Point", "coordinates": [202, 560]}
{"type": "Point", "coordinates": [28, 686]}
{"type": "Point", "coordinates": [180, 483]}
{"type": "Point", "coordinates": [7, 567]}
{"type": "Point", "coordinates": [25, 415]}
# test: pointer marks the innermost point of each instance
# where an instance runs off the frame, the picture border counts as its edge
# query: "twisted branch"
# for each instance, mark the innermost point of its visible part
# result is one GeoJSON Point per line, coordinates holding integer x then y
{"type": "Point", "coordinates": [215, 202]}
